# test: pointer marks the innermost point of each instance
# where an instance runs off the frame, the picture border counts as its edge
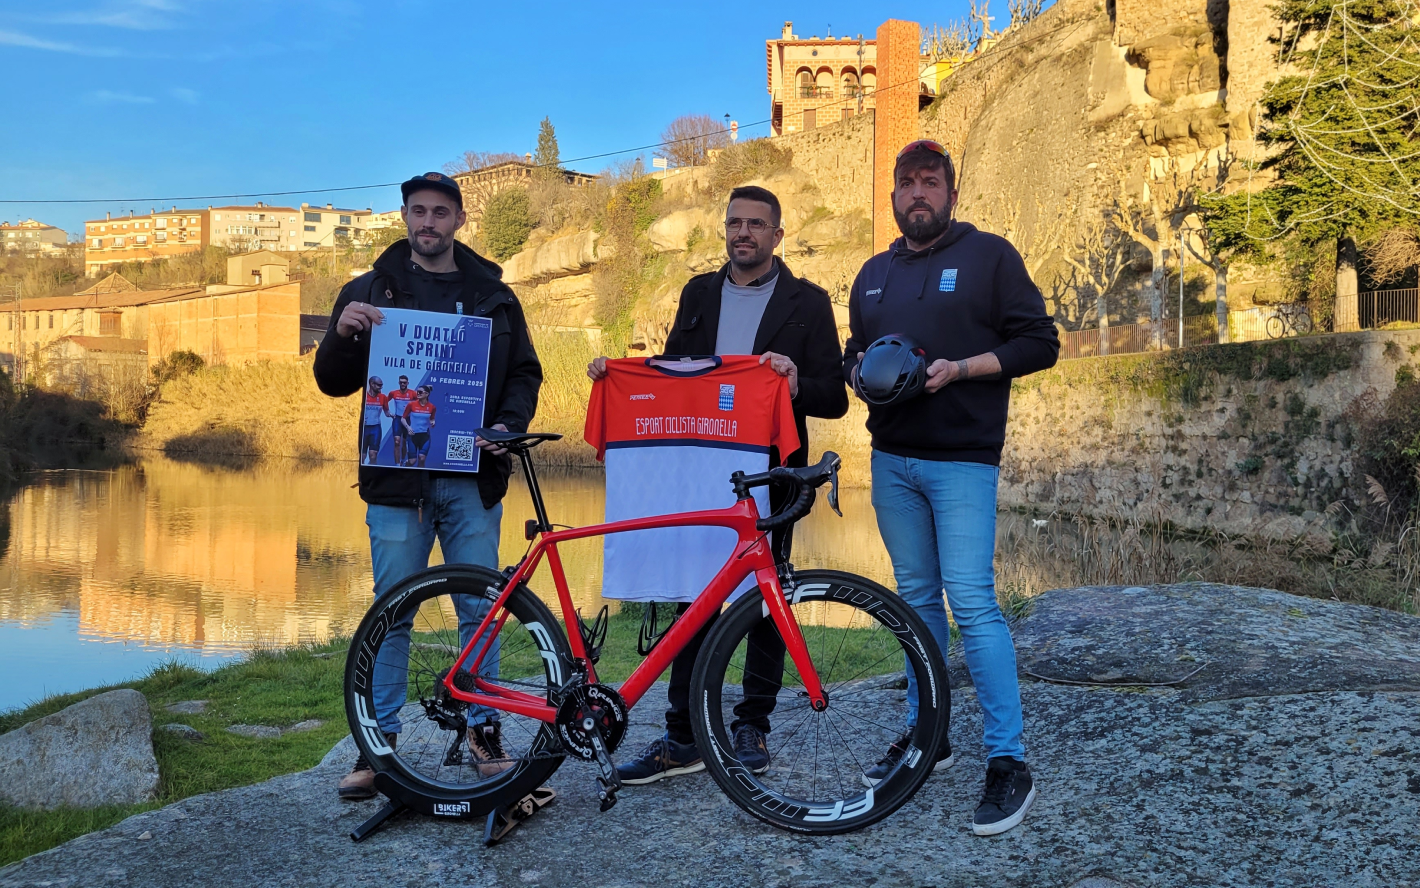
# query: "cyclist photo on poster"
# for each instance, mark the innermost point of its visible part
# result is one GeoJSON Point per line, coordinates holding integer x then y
{"type": "Point", "coordinates": [440, 362]}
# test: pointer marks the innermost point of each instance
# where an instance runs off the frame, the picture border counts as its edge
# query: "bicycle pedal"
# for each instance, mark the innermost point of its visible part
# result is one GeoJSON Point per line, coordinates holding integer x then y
{"type": "Point", "coordinates": [607, 794]}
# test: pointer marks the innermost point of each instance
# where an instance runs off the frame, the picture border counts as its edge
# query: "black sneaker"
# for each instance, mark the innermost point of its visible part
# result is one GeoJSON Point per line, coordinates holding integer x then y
{"type": "Point", "coordinates": [895, 753]}
{"type": "Point", "coordinates": [1008, 796]}
{"type": "Point", "coordinates": [661, 758]}
{"type": "Point", "coordinates": [750, 748]}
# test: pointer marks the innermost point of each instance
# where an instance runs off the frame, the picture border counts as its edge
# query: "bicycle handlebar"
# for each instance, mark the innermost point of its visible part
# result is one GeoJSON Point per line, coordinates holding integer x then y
{"type": "Point", "coordinates": [806, 482]}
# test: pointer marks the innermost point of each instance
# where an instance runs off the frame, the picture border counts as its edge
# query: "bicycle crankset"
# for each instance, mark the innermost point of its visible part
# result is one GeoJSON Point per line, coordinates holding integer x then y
{"type": "Point", "coordinates": [588, 710]}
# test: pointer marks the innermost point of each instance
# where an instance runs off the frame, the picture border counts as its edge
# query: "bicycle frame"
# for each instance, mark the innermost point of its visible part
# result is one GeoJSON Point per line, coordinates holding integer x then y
{"type": "Point", "coordinates": [752, 555]}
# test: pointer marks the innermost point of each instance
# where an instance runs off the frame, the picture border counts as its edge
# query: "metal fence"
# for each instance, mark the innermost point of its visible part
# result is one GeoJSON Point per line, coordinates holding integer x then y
{"type": "Point", "coordinates": [1379, 308]}
{"type": "Point", "coordinates": [1126, 339]}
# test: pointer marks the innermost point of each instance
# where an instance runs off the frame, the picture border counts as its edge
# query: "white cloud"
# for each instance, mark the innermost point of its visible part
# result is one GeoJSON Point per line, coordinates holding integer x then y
{"type": "Point", "coordinates": [134, 15]}
{"type": "Point", "coordinates": [15, 38]}
{"type": "Point", "coordinates": [109, 97]}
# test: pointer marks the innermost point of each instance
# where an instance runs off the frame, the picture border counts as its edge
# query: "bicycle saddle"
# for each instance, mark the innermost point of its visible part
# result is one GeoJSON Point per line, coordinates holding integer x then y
{"type": "Point", "coordinates": [515, 439]}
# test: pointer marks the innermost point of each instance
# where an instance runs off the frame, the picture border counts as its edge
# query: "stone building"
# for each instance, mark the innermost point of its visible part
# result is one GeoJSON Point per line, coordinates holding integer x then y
{"type": "Point", "coordinates": [815, 81]}
{"type": "Point", "coordinates": [480, 185]}
{"type": "Point", "coordinates": [31, 237]}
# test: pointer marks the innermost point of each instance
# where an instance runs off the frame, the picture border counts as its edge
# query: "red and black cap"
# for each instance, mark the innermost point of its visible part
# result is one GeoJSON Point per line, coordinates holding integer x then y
{"type": "Point", "coordinates": [433, 182]}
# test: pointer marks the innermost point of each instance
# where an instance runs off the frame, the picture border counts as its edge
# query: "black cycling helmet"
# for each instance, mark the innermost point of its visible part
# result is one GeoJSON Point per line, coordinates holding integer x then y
{"type": "Point", "coordinates": [893, 370]}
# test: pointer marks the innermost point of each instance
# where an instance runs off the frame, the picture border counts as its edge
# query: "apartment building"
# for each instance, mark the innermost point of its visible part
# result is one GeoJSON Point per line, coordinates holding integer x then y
{"type": "Point", "coordinates": [257, 227]}
{"type": "Point", "coordinates": [132, 238]}
{"type": "Point", "coordinates": [32, 237]}
{"type": "Point", "coordinates": [327, 225]}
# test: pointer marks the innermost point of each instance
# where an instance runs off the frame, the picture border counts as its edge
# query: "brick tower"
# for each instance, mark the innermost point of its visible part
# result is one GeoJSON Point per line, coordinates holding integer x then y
{"type": "Point", "coordinates": [895, 120]}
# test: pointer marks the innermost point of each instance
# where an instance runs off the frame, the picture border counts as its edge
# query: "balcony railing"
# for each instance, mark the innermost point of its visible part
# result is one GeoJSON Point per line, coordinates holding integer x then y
{"type": "Point", "coordinates": [815, 92]}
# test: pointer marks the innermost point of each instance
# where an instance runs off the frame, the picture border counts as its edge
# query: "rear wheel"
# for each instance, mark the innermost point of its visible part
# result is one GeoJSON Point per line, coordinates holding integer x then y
{"type": "Point", "coordinates": [860, 637]}
{"type": "Point", "coordinates": [1302, 322]}
{"type": "Point", "coordinates": [393, 683]}
{"type": "Point", "coordinates": [1276, 327]}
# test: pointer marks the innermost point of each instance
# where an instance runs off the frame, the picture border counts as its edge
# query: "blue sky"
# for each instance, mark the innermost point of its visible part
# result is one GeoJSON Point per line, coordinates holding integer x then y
{"type": "Point", "coordinates": [153, 98]}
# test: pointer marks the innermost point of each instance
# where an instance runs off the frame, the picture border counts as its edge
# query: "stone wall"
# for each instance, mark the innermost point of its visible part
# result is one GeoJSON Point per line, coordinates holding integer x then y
{"type": "Point", "coordinates": [1254, 438]}
{"type": "Point", "coordinates": [1136, 20]}
{"type": "Point", "coordinates": [839, 158]}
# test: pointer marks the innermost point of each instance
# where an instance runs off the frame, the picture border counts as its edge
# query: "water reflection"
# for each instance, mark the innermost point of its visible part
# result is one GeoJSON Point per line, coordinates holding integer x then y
{"type": "Point", "coordinates": [164, 557]}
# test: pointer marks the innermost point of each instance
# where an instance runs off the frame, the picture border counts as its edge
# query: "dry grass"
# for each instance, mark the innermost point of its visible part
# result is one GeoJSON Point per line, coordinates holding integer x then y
{"type": "Point", "coordinates": [259, 410]}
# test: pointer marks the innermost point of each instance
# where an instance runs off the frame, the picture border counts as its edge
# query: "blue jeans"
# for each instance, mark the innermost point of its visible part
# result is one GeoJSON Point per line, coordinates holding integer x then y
{"type": "Point", "coordinates": [400, 545]}
{"type": "Point", "coordinates": [938, 521]}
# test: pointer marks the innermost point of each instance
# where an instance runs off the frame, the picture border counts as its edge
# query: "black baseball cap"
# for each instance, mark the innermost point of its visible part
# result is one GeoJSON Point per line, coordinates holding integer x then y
{"type": "Point", "coordinates": [434, 182]}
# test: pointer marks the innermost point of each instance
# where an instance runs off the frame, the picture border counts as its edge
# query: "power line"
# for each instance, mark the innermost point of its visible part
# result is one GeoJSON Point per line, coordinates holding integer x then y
{"type": "Point", "coordinates": [206, 197]}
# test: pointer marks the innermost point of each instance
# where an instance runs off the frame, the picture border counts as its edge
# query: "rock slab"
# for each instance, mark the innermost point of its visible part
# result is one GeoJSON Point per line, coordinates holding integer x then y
{"type": "Point", "coordinates": [97, 752]}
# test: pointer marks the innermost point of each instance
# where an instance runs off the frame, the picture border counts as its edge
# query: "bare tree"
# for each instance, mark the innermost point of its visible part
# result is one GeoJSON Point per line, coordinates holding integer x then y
{"type": "Point", "coordinates": [1101, 254]}
{"type": "Point", "coordinates": [1045, 231]}
{"type": "Point", "coordinates": [1152, 219]}
{"type": "Point", "coordinates": [1023, 12]}
{"type": "Point", "coordinates": [1393, 254]}
{"type": "Point", "coordinates": [688, 140]}
{"type": "Point", "coordinates": [945, 44]}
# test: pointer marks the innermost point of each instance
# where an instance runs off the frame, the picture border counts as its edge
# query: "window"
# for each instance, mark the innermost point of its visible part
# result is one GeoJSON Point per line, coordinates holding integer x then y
{"type": "Point", "coordinates": [118, 242]}
{"type": "Point", "coordinates": [312, 244]}
{"type": "Point", "coordinates": [110, 323]}
{"type": "Point", "coordinates": [313, 217]}
{"type": "Point", "coordinates": [293, 218]}
{"type": "Point", "coordinates": [162, 223]}
{"type": "Point", "coordinates": [344, 220]}
{"type": "Point", "coordinates": [216, 217]}
{"type": "Point", "coordinates": [97, 243]}
{"type": "Point", "coordinates": [191, 220]}
{"type": "Point", "coordinates": [141, 239]}
{"type": "Point", "coordinates": [10, 321]}
{"type": "Point", "coordinates": [308, 228]}
{"type": "Point", "coordinates": [51, 320]}
{"type": "Point", "coordinates": [160, 237]}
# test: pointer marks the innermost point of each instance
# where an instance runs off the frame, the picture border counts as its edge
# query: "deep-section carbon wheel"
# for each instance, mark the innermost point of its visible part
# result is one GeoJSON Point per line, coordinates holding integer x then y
{"type": "Point", "coordinates": [859, 636]}
{"type": "Point", "coordinates": [435, 764]}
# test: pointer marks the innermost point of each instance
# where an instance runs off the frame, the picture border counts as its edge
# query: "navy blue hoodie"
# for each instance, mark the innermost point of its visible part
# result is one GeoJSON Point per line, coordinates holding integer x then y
{"type": "Point", "coordinates": [967, 294]}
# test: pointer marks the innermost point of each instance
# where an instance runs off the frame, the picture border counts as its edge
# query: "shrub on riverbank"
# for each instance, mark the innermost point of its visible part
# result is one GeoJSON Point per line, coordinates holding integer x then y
{"type": "Point", "coordinates": [43, 428]}
{"type": "Point", "coordinates": [280, 689]}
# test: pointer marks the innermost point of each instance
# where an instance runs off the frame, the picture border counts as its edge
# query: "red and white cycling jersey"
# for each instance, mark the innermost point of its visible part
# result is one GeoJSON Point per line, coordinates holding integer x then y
{"type": "Point", "coordinates": [374, 408]}
{"type": "Point", "coordinates": [419, 416]}
{"type": "Point", "coordinates": [671, 432]}
{"type": "Point", "coordinates": [398, 400]}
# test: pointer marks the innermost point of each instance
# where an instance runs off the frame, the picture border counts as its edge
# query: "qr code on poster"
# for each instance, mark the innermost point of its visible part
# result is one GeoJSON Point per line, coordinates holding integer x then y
{"type": "Point", "coordinates": [460, 449]}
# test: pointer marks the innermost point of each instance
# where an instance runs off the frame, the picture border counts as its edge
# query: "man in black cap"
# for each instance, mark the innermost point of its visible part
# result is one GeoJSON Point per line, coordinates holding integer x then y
{"type": "Point", "coordinates": [408, 509]}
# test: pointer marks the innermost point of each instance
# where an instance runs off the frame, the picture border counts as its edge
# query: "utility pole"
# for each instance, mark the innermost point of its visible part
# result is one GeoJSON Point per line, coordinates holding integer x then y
{"type": "Point", "coordinates": [1182, 248]}
{"type": "Point", "coordinates": [16, 319]}
{"type": "Point", "coordinates": [860, 73]}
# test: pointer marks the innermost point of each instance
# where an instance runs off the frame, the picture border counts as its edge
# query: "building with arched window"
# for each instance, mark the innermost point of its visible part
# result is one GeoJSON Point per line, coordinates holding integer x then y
{"type": "Point", "coordinates": [816, 81]}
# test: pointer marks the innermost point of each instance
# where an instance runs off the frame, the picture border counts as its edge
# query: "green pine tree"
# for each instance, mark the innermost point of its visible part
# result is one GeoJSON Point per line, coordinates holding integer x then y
{"type": "Point", "coordinates": [546, 157]}
{"type": "Point", "coordinates": [507, 222]}
{"type": "Point", "coordinates": [1344, 130]}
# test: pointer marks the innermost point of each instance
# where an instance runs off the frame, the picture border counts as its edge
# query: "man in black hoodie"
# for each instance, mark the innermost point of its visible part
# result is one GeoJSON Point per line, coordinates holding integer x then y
{"type": "Point", "coordinates": [408, 509]}
{"type": "Point", "coordinates": [965, 298]}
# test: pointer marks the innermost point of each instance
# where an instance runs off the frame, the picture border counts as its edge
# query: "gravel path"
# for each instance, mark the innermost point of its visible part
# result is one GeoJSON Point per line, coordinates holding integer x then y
{"type": "Point", "coordinates": [1192, 786]}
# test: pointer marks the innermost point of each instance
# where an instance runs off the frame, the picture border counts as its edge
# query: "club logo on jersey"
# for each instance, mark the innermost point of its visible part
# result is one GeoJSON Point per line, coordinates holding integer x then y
{"type": "Point", "coordinates": [646, 397]}
{"type": "Point", "coordinates": [727, 397]}
{"type": "Point", "coordinates": [949, 280]}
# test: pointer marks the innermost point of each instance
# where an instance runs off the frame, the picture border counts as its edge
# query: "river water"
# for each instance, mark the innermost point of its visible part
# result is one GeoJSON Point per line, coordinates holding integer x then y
{"type": "Point", "coordinates": [110, 572]}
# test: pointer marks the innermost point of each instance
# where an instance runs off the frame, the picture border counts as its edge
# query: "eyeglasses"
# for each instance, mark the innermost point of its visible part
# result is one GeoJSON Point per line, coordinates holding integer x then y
{"type": "Point", "coordinates": [923, 145]}
{"type": "Point", "coordinates": [756, 226]}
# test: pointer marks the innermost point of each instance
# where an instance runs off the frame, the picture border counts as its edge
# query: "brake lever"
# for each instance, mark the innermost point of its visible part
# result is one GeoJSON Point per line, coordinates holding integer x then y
{"type": "Point", "coordinates": [833, 490]}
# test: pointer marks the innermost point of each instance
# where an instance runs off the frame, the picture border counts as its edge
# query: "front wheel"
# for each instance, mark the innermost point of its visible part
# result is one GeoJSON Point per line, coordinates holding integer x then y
{"type": "Point", "coordinates": [1276, 327]}
{"type": "Point", "coordinates": [393, 685]}
{"type": "Point", "coordinates": [1302, 322]}
{"type": "Point", "coordinates": [861, 638]}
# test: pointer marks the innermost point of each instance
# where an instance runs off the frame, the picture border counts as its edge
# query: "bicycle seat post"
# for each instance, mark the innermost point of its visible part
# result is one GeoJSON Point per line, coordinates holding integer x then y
{"type": "Point", "coordinates": [534, 491]}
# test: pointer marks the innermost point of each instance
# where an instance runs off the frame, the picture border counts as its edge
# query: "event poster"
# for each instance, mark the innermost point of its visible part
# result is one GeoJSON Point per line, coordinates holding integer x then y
{"type": "Point", "coordinates": [425, 390]}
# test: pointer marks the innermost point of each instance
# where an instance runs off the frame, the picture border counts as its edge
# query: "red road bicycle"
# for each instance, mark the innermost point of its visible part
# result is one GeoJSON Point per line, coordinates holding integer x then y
{"type": "Point", "coordinates": [842, 698]}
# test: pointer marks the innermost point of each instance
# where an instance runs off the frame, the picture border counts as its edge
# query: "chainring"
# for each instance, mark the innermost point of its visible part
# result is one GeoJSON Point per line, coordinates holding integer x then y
{"type": "Point", "coordinates": [604, 707]}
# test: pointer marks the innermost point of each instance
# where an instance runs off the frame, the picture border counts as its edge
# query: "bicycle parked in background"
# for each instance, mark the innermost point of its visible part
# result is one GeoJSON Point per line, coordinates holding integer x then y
{"type": "Point", "coordinates": [1289, 320]}
{"type": "Point", "coordinates": [843, 697]}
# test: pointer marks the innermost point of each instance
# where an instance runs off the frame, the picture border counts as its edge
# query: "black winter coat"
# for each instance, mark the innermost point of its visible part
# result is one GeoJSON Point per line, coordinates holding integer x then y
{"type": "Point", "coordinates": [797, 323]}
{"type": "Point", "coordinates": [514, 373]}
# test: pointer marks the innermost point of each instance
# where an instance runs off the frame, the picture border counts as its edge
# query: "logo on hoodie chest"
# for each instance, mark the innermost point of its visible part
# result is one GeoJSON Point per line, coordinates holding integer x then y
{"type": "Point", "coordinates": [948, 283]}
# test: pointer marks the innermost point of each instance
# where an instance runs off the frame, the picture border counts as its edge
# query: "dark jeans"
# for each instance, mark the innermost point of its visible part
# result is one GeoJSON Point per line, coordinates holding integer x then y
{"type": "Point", "coordinates": [764, 660]}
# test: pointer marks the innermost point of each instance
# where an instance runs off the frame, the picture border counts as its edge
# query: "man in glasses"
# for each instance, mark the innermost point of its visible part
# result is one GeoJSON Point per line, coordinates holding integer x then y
{"type": "Point", "coordinates": [964, 297]}
{"type": "Point", "coordinates": [752, 306]}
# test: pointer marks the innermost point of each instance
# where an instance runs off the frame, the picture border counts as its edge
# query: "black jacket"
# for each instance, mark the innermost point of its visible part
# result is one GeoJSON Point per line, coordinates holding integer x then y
{"type": "Point", "coordinates": [514, 374]}
{"type": "Point", "coordinates": [797, 323]}
{"type": "Point", "coordinates": [967, 294]}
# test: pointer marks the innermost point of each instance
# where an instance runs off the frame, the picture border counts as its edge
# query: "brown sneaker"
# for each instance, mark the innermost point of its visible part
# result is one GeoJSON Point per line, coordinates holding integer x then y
{"type": "Point", "coordinates": [485, 741]}
{"type": "Point", "coordinates": [359, 784]}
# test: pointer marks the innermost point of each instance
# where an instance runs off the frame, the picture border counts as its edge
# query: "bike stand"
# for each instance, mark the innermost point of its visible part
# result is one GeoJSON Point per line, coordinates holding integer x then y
{"type": "Point", "coordinates": [386, 813]}
{"type": "Point", "coordinates": [503, 820]}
